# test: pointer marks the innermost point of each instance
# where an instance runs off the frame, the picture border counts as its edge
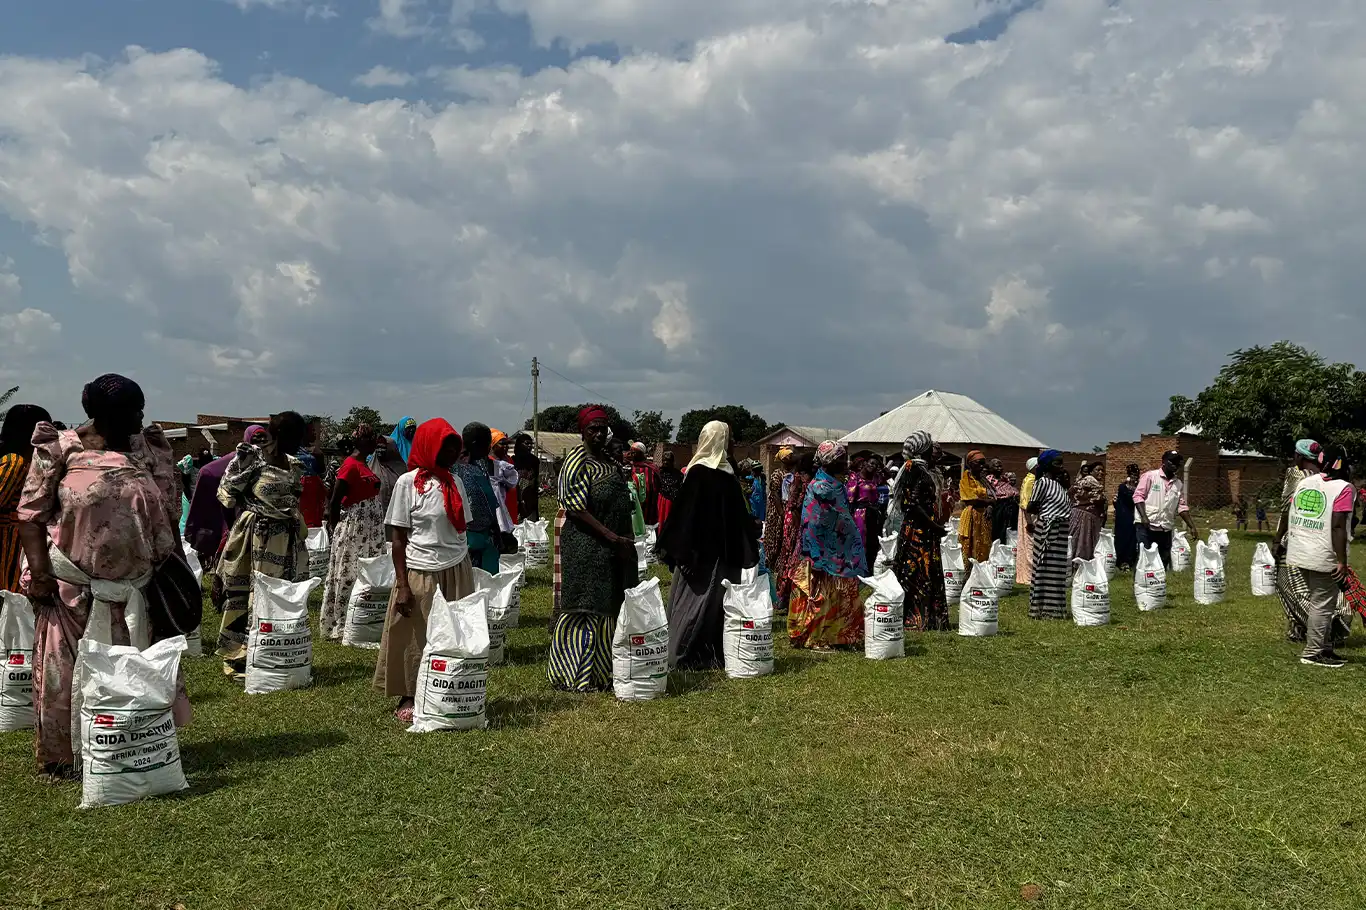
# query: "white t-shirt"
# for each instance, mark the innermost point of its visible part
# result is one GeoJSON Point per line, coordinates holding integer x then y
{"type": "Point", "coordinates": [433, 542]}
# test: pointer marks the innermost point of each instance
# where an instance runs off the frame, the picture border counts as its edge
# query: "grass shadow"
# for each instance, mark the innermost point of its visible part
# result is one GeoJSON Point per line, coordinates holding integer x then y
{"type": "Point", "coordinates": [527, 711]}
{"type": "Point", "coordinates": [683, 682]}
{"type": "Point", "coordinates": [326, 677]}
{"type": "Point", "coordinates": [206, 762]}
{"type": "Point", "coordinates": [520, 655]}
{"type": "Point", "coordinates": [795, 660]}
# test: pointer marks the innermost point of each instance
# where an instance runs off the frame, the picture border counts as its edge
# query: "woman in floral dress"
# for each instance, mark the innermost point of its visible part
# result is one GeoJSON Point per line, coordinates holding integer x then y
{"type": "Point", "coordinates": [918, 562]}
{"type": "Point", "coordinates": [355, 525]}
{"type": "Point", "coordinates": [790, 556]}
{"type": "Point", "coordinates": [825, 611]}
{"type": "Point", "coordinates": [101, 503]}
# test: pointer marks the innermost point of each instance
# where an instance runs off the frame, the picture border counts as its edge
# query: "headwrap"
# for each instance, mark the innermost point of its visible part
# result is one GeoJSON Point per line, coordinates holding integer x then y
{"type": "Point", "coordinates": [1031, 464]}
{"type": "Point", "coordinates": [974, 456]}
{"type": "Point", "coordinates": [829, 452]}
{"type": "Point", "coordinates": [498, 436]}
{"type": "Point", "coordinates": [590, 414]}
{"type": "Point", "coordinates": [363, 431]}
{"type": "Point", "coordinates": [402, 444]}
{"type": "Point", "coordinates": [713, 446]}
{"type": "Point", "coordinates": [252, 431]}
{"type": "Point", "coordinates": [917, 445]}
{"type": "Point", "coordinates": [639, 447]}
{"type": "Point", "coordinates": [784, 453]}
{"type": "Point", "coordinates": [112, 394]}
{"type": "Point", "coordinates": [1308, 448]}
{"type": "Point", "coordinates": [427, 442]}
{"type": "Point", "coordinates": [17, 433]}
{"type": "Point", "coordinates": [1048, 457]}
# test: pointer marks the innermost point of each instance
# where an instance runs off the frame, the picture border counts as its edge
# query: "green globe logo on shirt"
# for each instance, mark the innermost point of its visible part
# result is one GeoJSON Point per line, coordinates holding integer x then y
{"type": "Point", "coordinates": [1311, 503]}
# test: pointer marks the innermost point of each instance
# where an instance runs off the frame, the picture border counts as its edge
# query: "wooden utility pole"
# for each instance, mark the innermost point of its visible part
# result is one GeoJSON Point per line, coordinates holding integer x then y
{"type": "Point", "coordinates": [536, 405]}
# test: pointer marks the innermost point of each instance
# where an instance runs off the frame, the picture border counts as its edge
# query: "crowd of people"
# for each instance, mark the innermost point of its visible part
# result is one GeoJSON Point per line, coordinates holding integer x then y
{"type": "Point", "coordinates": [98, 514]}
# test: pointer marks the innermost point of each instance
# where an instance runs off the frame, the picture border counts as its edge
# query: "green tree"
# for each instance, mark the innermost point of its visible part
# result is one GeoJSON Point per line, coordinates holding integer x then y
{"type": "Point", "coordinates": [651, 427]}
{"type": "Point", "coordinates": [1265, 398]}
{"type": "Point", "coordinates": [564, 418]}
{"type": "Point", "coordinates": [744, 426]}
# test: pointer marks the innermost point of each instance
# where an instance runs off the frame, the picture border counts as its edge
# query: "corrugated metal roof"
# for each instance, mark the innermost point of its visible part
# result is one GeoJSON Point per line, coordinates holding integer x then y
{"type": "Point", "coordinates": [817, 435]}
{"type": "Point", "coordinates": [950, 419]}
{"type": "Point", "coordinates": [1192, 429]}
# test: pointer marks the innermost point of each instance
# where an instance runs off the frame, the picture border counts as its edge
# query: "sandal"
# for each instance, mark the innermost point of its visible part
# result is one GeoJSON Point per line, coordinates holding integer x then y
{"type": "Point", "coordinates": [404, 713]}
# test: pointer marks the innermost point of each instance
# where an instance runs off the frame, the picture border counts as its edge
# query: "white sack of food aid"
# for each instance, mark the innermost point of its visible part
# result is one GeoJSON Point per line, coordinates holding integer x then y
{"type": "Point", "coordinates": [280, 644]}
{"type": "Point", "coordinates": [1105, 549]}
{"type": "Point", "coordinates": [368, 603]}
{"type": "Point", "coordinates": [642, 557]}
{"type": "Point", "coordinates": [1181, 551]}
{"type": "Point", "coordinates": [1002, 567]}
{"type": "Point", "coordinates": [16, 646]}
{"type": "Point", "coordinates": [640, 646]}
{"type": "Point", "coordinates": [319, 552]}
{"type": "Point", "coordinates": [1090, 592]}
{"type": "Point", "coordinates": [1263, 571]}
{"type": "Point", "coordinates": [519, 534]}
{"type": "Point", "coordinates": [651, 535]}
{"type": "Point", "coordinates": [194, 644]}
{"type": "Point", "coordinates": [884, 627]}
{"type": "Point", "coordinates": [979, 606]}
{"type": "Point", "coordinates": [1218, 537]}
{"type": "Point", "coordinates": [1013, 541]}
{"type": "Point", "coordinates": [747, 628]}
{"type": "Point", "coordinates": [453, 679]}
{"type": "Point", "coordinates": [128, 740]}
{"type": "Point", "coordinates": [886, 552]}
{"type": "Point", "coordinates": [953, 526]}
{"type": "Point", "coordinates": [1150, 580]}
{"type": "Point", "coordinates": [1210, 582]}
{"type": "Point", "coordinates": [514, 562]}
{"type": "Point", "coordinates": [536, 543]}
{"type": "Point", "coordinates": [747, 576]}
{"type": "Point", "coordinates": [500, 588]}
{"type": "Point", "coordinates": [955, 574]}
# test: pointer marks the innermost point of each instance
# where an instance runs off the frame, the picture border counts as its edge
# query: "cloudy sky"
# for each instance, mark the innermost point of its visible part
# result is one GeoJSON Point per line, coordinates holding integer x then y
{"type": "Point", "coordinates": [1068, 209]}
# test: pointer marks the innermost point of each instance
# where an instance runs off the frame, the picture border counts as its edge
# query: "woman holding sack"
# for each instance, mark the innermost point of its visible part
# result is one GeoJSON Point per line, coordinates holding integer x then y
{"type": "Point", "coordinates": [355, 525]}
{"type": "Point", "coordinates": [709, 537]}
{"type": "Point", "coordinates": [100, 514]}
{"type": "Point", "coordinates": [596, 560]}
{"type": "Point", "coordinates": [264, 484]}
{"type": "Point", "coordinates": [427, 520]}
{"type": "Point", "coordinates": [825, 611]}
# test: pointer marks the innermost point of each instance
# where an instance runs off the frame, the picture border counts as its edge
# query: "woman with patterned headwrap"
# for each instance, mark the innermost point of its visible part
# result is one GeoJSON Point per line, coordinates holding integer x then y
{"type": "Point", "coordinates": [773, 510]}
{"type": "Point", "coordinates": [974, 525]}
{"type": "Point", "coordinates": [16, 451]}
{"type": "Point", "coordinates": [825, 611]}
{"type": "Point", "coordinates": [99, 513]}
{"type": "Point", "coordinates": [595, 560]}
{"type": "Point", "coordinates": [1050, 517]}
{"type": "Point", "coordinates": [1088, 512]}
{"type": "Point", "coordinates": [918, 562]}
{"type": "Point", "coordinates": [264, 483]}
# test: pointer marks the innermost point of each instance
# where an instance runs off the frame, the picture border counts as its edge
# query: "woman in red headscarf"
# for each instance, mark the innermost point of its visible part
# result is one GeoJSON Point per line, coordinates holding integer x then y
{"type": "Point", "coordinates": [426, 521]}
{"type": "Point", "coordinates": [595, 560]}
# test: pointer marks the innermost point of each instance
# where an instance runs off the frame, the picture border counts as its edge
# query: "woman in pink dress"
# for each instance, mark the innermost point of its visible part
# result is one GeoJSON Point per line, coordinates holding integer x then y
{"type": "Point", "coordinates": [101, 503]}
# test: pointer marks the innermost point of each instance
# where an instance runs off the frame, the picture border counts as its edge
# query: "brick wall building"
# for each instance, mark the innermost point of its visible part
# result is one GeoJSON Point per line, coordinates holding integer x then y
{"type": "Point", "coordinates": [1217, 477]}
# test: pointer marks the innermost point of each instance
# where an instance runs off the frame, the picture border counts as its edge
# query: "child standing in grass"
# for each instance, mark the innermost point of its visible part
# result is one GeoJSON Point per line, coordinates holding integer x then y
{"type": "Point", "coordinates": [1240, 514]}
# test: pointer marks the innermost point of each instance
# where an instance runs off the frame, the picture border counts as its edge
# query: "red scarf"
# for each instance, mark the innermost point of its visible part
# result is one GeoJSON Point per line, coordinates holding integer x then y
{"type": "Point", "coordinates": [427, 441]}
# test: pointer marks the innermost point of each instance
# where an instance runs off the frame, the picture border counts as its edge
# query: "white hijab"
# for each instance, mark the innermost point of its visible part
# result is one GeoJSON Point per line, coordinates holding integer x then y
{"type": "Point", "coordinates": [713, 446]}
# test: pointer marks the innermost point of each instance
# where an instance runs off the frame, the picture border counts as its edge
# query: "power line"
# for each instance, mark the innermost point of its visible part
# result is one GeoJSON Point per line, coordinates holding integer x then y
{"type": "Point", "coordinates": [598, 395]}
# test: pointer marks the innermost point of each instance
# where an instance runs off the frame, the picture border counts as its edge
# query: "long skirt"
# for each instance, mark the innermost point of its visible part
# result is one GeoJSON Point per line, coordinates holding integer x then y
{"type": "Point", "coordinates": [404, 637]}
{"type": "Point", "coordinates": [581, 652]}
{"type": "Point", "coordinates": [1085, 532]}
{"type": "Point", "coordinates": [276, 548]}
{"type": "Point", "coordinates": [974, 533]}
{"type": "Point", "coordinates": [360, 535]}
{"type": "Point", "coordinates": [824, 611]}
{"type": "Point", "coordinates": [10, 553]}
{"type": "Point", "coordinates": [57, 635]}
{"type": "Point", "coordinates": [696, 616]}
{"type": "Point", "coordinates": [790, 560]}
{"type": "Point", "coordinates": [1293, 591]}
{"type": "Point", "coordinates": [1048, 595]}
{"type": "Point", "coordinates": [919, 567]}
{"type": "Point", "coordinates": [1005, 515]}
{"type": "Point", "coordinates": [1024, 556]}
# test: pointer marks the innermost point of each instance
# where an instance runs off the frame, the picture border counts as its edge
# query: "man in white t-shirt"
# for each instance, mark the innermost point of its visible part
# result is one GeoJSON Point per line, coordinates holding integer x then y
{"type": "Point", "coordinates": [1315, 542]}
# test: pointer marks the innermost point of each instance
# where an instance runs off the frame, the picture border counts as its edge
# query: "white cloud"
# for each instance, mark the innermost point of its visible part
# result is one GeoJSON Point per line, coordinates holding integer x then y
{"type": "Point", "coordinates": [310, 10]}
{"type": "Point", "coordinates": [384, 77]}
{"type": "Point", "coordinates": [784, 177]}
{"type": "Point", "coordinates": [29, 328]}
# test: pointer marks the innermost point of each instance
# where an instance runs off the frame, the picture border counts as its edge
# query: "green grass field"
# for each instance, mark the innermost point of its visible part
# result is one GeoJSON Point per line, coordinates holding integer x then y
{"type": "Point", "coordinates": [1181, 759]}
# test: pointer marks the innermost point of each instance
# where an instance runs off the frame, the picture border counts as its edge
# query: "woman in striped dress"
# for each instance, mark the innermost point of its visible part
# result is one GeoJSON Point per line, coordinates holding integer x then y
{"type": "Point", "coordinates": [1050, 519]}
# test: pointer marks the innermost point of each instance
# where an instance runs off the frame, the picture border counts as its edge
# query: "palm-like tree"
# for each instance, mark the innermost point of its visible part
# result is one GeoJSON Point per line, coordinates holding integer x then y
{"type": "Point", "coordinates": [4, 399]}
